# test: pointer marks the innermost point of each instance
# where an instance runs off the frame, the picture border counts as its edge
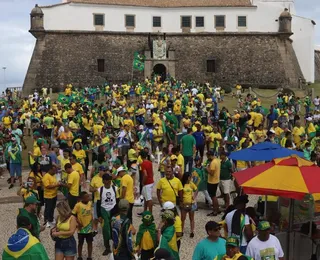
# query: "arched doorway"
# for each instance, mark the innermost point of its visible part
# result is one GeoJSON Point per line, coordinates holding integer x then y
{"type": "Point", "coordinates": [160, 70]}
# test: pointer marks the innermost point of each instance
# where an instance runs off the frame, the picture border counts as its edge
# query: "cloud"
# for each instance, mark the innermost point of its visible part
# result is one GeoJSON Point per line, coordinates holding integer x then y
{"type": "Point", "coordinates": [16, 43]}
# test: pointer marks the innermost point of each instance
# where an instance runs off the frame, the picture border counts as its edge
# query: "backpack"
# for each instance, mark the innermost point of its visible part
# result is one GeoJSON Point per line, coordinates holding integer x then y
{"type": "Point", "coordinates": [118, 233]}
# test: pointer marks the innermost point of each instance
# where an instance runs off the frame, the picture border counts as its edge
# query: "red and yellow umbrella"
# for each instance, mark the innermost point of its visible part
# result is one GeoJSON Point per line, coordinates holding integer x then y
{"type": "Point", "coordinates": [290, 177]}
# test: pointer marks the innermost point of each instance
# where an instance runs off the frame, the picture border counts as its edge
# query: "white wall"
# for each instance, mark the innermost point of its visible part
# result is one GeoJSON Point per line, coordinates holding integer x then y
{"type": "Point", "coordinates": [303, 44]}
{"type": "Point", "coordinates": [80, 17]}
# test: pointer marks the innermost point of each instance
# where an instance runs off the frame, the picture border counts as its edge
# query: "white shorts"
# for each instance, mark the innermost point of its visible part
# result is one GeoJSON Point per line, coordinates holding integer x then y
{"type": "Point", "coordinates": [225, 186]}
{"type": "Point", "coordinates": [147, 192]}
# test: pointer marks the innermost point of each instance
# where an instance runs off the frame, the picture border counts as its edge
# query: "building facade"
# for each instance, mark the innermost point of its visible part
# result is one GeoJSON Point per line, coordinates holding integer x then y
{"type": "Point", "coordinates": [226, 41]}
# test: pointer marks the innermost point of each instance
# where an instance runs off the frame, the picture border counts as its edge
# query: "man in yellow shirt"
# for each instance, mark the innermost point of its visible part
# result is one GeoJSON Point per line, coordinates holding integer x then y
{"type": "Point", "coordinates": [72, 184]}
{"type": "Point", "coordinates": [157, 137]}
{"type": "Point", "coordinates": [50, 187]}
{"type": "Point", "coordinates": [126, 189]}
{"type": "Point", "coordinates": [169, 188]}
{"type": "Point", "coordinates": [213, 181]}
{"type": "Point", "coordinates": [78, 168]}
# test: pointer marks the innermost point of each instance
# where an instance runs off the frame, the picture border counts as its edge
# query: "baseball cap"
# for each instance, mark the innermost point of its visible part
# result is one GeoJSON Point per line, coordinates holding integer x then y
{"type": "Point", "coordinates": [275, 122]}
{"type": "Point", "coordinates": [32, 200]}
{"type": "Point", "coordinates": [211, 225]}
{"type": "Point", "coordinates": [309, 118]}
{"type": "Point", "coordinates": [232, 241]}
{"type": "Point", "coordinates": [173, 157]}
{"type": "Point", "coordinates": [263, 225]}
{"type": "Point", "coordinates": [120, 169]}
{"type": "Point", "coordinates": [102, 168]}
{"type": "Point", "coordinates": [167, 214]}
{"type": "Point", "coordinates": [168, 205]}
{"type": "Point", "coordinates": [123, 205]}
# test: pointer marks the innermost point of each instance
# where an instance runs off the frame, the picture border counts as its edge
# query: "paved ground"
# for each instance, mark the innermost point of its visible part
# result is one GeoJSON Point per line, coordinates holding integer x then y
{"type": "Point", "coordinates": [10, 202]}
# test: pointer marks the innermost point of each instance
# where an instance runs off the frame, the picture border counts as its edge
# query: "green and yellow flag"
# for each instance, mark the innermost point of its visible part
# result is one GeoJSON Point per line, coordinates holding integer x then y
{"type": "Point", "coordinates": [24, 246]}
{"type": "Point", "coordinates": [138, 61]}
{"type": "Point", "coordinates": [168, 241]}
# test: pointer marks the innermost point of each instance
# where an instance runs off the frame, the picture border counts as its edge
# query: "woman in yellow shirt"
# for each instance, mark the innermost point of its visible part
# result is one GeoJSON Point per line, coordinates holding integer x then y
{"type": "Point", "coordinates": [188, 201]}
{"type": "Point", "coordinates": [80, 154]}
{"type": "Point", "coordinates": [66, 246]}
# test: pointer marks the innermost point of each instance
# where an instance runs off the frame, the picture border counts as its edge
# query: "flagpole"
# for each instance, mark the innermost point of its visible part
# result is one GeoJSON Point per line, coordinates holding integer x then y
{"type": "Point", "coordinates": [132, 72]}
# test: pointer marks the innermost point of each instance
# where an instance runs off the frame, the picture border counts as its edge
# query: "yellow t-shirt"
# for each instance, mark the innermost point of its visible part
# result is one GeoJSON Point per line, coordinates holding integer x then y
{"type": "Point", "coordinates": [84, 216]}
{"type": "Point", "coordinates": [38, 178]}
{"type": "Point", "coordinates": [96, 183]}
{"type": "Point", "coordinates": [180, 162]}
{"type": "Point", "coordinates": [97, 129]}
{"type": "Point", "coordinates": [258, 119]}
{"type": "Point", "coordinates": [81, 155]}
{"type": "Point", "coordinates": [132, 155]}
{"type": "Point", "coordinates": [157, 132]}
{"type": "Point", "coordinates": [26, 194]}
{"type": "Point", "coordinates": [74, 180]}
{"type": "Point", "coordinates": [178, 226]}
{"type": "Point", "coordinates": [127, 181]}
{"type": "Point", "coordinates": [63, 162]}
{"type": "Point", "coordinates": [215, 167]}
{"type": "Point", "coordinates": [167, 193]}
{"type": "Point", "coordinates": [188, 191]}
{"type": "Point", "coordinates": [78, 167]}
{"type": "Point", "coordinates": [212, 136]}
{"type": "Point", "coordinates": [146, 241]}
{"type": "Point", "coordinates": [47, 180]}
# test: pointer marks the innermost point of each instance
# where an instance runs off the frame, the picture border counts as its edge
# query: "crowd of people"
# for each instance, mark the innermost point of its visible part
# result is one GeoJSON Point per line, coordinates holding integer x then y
{"type": "Point", "coordinates": [96, 151]}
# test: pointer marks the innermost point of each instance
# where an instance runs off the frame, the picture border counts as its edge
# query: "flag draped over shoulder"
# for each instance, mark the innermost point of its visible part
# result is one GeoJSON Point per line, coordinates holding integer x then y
{"type": "Point", "coordinates": [138, 61]}
{"type": "Point", "coordinates": [22, 245]}
{"type": "Point", "coordinates": [168, 241]}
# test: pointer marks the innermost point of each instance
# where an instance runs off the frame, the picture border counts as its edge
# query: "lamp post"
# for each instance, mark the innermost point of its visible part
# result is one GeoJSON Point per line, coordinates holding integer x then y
{"type": "Point", "coordinates": [4, 77]}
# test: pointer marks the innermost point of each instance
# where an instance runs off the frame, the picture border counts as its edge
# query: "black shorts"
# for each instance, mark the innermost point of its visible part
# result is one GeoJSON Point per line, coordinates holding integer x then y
{"type": "Point", "coordinates": [212, 189]}
{"type": "Point", "coordinates": [88, 237]}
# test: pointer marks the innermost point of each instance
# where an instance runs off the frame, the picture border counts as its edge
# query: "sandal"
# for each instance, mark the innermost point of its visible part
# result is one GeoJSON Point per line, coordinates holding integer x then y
{"type": "Point", "coordinates": [212, 214]}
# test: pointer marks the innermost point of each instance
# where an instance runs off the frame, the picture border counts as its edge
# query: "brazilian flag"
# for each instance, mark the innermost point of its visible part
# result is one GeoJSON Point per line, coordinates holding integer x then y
{"type": "Point", "coordinates": [138, 61]}
{"type": "Point", "coordinates": [22, 245]}
{"type": "Point", "coordinates": [138, 65]}
{"type": "Point", "coordinates": [63, 99]}
{"type": "Point", "coordinates": [168, 241]}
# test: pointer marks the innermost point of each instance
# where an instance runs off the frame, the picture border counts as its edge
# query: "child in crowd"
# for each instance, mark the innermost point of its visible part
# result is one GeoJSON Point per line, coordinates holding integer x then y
{"type": "Point", "coordinates": [83, 213]}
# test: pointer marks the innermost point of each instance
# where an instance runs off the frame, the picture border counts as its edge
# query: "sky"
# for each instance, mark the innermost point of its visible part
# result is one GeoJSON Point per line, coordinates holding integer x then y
{"type": "Point", "coordinates": [16, 43]}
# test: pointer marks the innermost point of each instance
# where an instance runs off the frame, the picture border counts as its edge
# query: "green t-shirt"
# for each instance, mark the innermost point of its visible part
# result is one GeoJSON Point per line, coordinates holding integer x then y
{"type": "Point", "coordinates": [188, 142]}
{"type": "Point", "coordinates": [14, 152]}
{"type": "Point", "coordinates": [225, 170]}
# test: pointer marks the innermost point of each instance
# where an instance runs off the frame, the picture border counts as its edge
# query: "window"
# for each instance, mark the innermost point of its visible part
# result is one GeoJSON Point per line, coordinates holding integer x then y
{"type": "Point", "coordinates": [100, 65]}
{"type": "Point", "coordinates": [242, 21]}
{"type": "Point", "coordinates": [185, 21]}
{"type": "Point", "coordinates": [130, 21]}
{"type": "Point", "coordinates": [220, 21]}
{"type": "Point", "coordinates": [211, 65]}
{"type": "Point", "coordinates": [99, 19]}
{"type": "Point", "coordinates": [156, 21]}
{"type": "Point", "coordinates": [199, 21]}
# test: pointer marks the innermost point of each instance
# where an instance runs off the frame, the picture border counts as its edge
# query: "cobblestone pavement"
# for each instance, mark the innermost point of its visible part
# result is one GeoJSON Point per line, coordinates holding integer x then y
{"type": "Point", "coordinates": [9, 204]}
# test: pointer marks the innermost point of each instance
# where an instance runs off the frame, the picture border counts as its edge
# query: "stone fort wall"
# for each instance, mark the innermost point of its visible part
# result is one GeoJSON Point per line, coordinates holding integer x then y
{"type": "Point", "coordinates": [255, 59]}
